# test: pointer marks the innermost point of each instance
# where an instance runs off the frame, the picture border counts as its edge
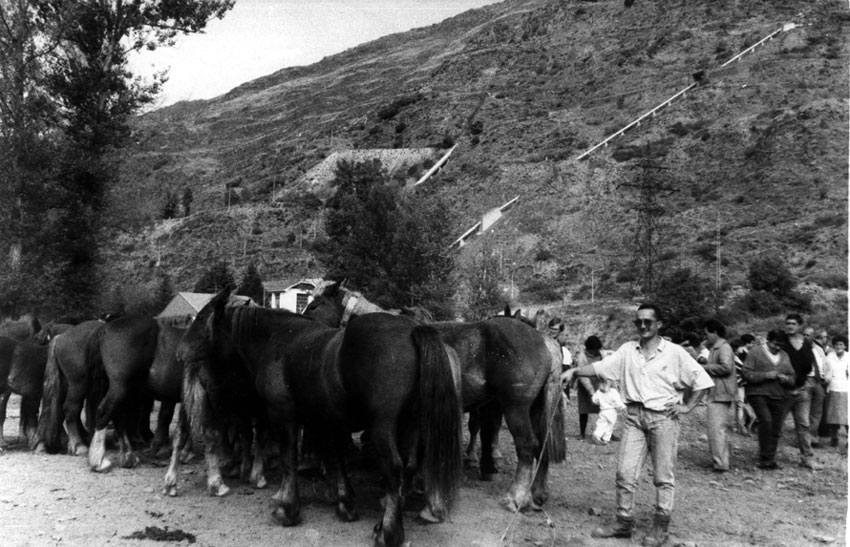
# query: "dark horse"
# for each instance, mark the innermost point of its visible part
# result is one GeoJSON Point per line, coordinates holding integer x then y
{"type": "Point", "coordinates": [382, 372]}
{"type": "Point", "coordinates": [507, 368]}
{"type": "Point", "coordinates": [133, 358]}
{"type": "Point", "coordinates": [67, 382]}
{"type": "Point", "coordinates": [22, 373]}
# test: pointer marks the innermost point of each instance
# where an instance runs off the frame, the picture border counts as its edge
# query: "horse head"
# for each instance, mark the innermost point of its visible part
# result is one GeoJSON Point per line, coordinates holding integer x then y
{"type": "Point", "coordinates": [326, 306]}
{"type": "Point", "coordinates": [197, 344]}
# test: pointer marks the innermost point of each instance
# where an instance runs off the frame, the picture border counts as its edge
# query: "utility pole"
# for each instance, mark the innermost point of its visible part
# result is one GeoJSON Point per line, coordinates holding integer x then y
{"type": "Point", "coordinates": [650, 186]}
{"type": "Point", "coordinates": [717, 259]}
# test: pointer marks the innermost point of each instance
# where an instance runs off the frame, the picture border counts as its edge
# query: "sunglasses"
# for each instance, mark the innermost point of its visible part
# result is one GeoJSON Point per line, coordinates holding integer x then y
{"type": "Point", "coordinates": [643, 322]}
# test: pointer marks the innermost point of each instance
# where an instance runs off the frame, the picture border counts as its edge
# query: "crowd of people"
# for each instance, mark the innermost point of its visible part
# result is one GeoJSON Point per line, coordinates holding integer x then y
{"type": "Point", "coordinates": [651, 381]}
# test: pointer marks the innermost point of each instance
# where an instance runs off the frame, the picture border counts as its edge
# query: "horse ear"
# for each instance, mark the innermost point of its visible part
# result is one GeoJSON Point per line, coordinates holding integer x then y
{"type": "Point", "coordinates": [518, 314]}
{"type": "Point", "coordinates": [507, 311]}
{"type": "Point", "coordinates": [220, 300]}
{"type": "Point", "coordinates": [331, 289]}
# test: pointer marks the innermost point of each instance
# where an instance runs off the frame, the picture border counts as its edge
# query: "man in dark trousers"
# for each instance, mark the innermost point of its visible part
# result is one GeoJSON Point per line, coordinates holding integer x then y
{"type": "Point", "coordinates": [799, 404]}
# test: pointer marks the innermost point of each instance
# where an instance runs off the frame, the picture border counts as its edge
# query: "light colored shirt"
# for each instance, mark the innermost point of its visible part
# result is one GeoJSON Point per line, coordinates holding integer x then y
{"type": "Point", "coordinates": [836, 372]}
{"type": "Point", "coordinates": [657, 382]}
{"type": "Point", "coordinates": [566, 356]}
{"type": "Point", "coordinates": [608, 399]}
{"type": "Point", "coordinates": [820, 361]}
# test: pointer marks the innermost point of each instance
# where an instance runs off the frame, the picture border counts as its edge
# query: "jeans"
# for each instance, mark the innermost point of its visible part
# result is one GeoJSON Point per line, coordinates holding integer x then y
{"type": "Point", "coordinates": [799, 404]}
{"type": "Point", "coordinates": [816, 410]}
{"type": "Point", "coordinates": [716, 417]}
{"type": "Point", "coordinates": [647, 432]}
{"type": "Point", "coordinates": [770, 413]}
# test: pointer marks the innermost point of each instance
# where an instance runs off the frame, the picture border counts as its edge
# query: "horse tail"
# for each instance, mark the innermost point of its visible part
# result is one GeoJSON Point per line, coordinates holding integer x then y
{"type": "Point", "coordinates": [440, 417]}
{"type": "Point", "coordinates": [194, 402]}
{"type": "Point", "coordinates": [51, 416]}
{"type": "Point", "coordinates": [552, 419]}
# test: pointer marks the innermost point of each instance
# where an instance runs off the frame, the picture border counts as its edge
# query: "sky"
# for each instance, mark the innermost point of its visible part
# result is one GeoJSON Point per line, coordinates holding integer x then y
{"type": "Point", "coordinates": [259, 37]}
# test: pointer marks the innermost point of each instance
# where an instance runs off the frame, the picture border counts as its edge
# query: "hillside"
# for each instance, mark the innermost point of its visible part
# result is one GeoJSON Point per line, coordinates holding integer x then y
{"type": "Point", "coordinates": [756, 156]}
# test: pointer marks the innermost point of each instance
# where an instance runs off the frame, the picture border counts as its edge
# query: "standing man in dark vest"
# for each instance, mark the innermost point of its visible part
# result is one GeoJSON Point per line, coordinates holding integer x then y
{"type": "Point", "coordinates": [799, 404]}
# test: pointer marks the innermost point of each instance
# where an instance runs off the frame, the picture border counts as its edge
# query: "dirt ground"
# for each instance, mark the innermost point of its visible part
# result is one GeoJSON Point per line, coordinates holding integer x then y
{"type": "Point", "coordinates": [54, 500]}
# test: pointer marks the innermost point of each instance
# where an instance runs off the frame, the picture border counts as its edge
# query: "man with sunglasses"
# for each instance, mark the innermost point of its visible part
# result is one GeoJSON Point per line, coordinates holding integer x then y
{"type": "Point", "coordinates": [653, 374]}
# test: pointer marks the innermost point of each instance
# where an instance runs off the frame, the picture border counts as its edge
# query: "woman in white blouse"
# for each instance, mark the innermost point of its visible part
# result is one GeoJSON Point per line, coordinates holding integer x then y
{"type": "Point", "coordinates": [837, 376]}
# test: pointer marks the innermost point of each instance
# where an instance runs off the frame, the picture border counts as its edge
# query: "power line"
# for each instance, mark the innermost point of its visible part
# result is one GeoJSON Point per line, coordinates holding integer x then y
{"type": "Point", "coordinates": [699, 78]}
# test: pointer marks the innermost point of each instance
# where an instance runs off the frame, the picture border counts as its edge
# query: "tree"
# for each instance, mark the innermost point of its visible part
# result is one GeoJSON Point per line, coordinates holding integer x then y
{"type": "Point", "coordinates": [29, 32]}
{"type": "Point", "coordinates": [481, 280]}
{"type": "Point", "coordinates": [97, 94]}
{"type": "Point", "coordinates": [392, 246]}
{"type": "Point", "coordinates": [252, 284]}
{"type": "Point", "coordinates": [169, 209]}
{"type": "Point", "coordinates": [770, 274]}
{"type": "Point", "coordinates": [164, 292]}
{"type": "Point", "coordinates": [686, 300]}
{"type": "Point", "coordinates": [187, 201]}
{"type": "Point", "coordinates": [217, 278]}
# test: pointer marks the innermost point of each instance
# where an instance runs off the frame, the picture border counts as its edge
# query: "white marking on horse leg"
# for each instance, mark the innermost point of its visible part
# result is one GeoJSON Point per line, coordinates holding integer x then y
{"type": "Point", "coordinates": [97, 452]}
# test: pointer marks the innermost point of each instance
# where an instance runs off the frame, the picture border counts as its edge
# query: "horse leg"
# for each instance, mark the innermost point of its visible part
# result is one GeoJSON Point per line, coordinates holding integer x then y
{"type": "Point", "coordinates": [181, 438]}
{"type": "Point", "coordinates": [4, 401]}
{"type": "Point", "coordinates": [256, 474]}
{"type": "Point", "coordinates": [345, 509]}
{"type": "Point", "coordinates": [389, 531]}
{"type": "Point", "coordinates": [122, 424]}
{"type": "Point", "coordinates": [29, 419]}
{"type": "Point", "coordinates": [115, 395]}
{"type": "Point", "coordinates": [540, 481]}
{"type": "Point", "coordinates": [491, 422]}
{"type": "Point", "coordinates": [139, 426]}
{"type": "Point", "coordinates": [474, 426]}
{"type": "Point", "coordinates": [213, 452]}
{"type": "Point", "coordinates": [288, 512]}
{"type": "Point", "coordinates": [519, 424]}
{"type": "Point", "coordinates": [72, 408]}
{"type": "Point", "coordinates": [163, 423]}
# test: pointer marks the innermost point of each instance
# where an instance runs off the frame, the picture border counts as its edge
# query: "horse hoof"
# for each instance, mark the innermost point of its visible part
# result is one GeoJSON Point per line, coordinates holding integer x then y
{"type": "Point", "coordinates": [508, 504]}
{"type": "Point", "coordinates": [346, 514]}
{"type": "Point", "coordinates": [130, 461]}
{"type": "Point", "coordinates": [217, 489]}
{"type": "Point", "coordinates": [426, 516]}
{"type": "Point", "coordinates": [283, 517]}
{"type": "Point", "coordinates": [80, 450]}
{"type": "Point", "coordinates": [260, 483]}
{"type": "Point", "coordinates": [104, 466]}
{"type": "Point", "coordinates": [170, 491]}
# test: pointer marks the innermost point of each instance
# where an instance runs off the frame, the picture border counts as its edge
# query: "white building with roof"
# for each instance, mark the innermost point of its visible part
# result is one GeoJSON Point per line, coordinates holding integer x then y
{"type": "Point", "coordinates": [292, 295]}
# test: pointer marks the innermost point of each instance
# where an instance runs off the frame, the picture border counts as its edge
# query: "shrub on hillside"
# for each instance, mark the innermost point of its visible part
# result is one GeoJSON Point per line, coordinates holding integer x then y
{"type": "Point", "coordinates": [539, 290]}
{"type": "Point", "coordinates": [686, 300]}
{"type": "Point", "coordinates": [769, 274]}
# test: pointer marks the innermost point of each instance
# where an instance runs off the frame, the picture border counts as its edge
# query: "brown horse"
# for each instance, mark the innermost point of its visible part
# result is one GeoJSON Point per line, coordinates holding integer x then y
{"type": "Point", "coordinates": [382, 372]}
{"type": "Point", "coordinates": [133, 360]}
{"type": "Point", "coordinates": [67, 383]}
{"type": "Point", "coordinates": [508, 368]}
{"type": "Point", "coordinates": [22, 373]}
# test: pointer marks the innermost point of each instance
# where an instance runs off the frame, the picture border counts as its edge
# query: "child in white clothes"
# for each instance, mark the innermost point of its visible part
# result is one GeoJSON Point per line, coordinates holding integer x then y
{"type": "Point", "coordinates": [610, 403]}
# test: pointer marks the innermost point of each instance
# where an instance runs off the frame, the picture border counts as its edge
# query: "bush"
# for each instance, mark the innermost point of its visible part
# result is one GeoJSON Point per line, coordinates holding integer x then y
{"type": "Point", "coordinates": [769, 274]}
{"type": "Point", "coordinates": [686, 299]}
{"type": "Point", "coordinates": [539, 290]}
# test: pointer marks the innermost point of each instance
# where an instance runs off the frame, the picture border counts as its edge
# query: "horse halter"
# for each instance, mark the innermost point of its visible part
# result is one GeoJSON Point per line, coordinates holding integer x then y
{"type": "Point", "coordinates": [349, 302]}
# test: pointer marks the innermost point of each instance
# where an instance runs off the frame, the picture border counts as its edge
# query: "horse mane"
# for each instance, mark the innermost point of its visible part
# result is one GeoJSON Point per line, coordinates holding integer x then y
{"type": "Point", "coordinates": [246, 323]}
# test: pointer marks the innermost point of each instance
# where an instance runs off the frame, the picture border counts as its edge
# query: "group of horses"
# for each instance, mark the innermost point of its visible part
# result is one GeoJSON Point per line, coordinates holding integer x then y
{"type": "Point", "coordinates": [253, 383]}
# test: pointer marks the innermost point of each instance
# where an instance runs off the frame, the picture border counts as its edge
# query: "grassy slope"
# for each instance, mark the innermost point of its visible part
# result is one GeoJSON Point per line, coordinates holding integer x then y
{"type": "Point", "coordinates": [761, 151]}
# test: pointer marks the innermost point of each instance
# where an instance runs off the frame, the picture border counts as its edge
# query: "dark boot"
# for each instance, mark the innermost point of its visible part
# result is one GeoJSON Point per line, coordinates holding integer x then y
{"type": "Point", "coordinates": [622, 528]}
{"type": "Point", "coordinates": [659, 534]}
